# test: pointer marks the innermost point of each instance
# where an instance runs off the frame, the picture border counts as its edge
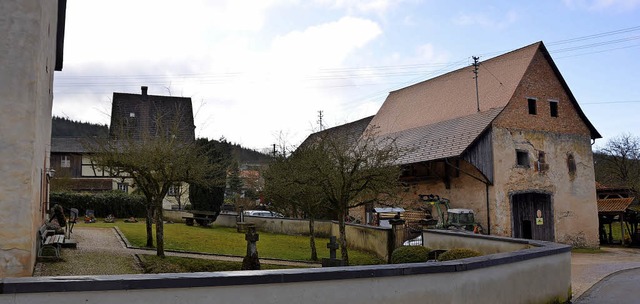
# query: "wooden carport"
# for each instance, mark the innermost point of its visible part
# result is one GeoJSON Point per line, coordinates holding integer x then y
{"type": "Point", "coordinates": [608, 210]}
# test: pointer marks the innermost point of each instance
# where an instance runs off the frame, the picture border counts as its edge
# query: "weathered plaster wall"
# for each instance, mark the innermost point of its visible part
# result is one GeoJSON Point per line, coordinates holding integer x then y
{"type": "Point", "coordinates": [464, 192]}
{"type": "Point", "coordinates": [573, 195]}
{"type": "Point", "coordinates": [27, 53]}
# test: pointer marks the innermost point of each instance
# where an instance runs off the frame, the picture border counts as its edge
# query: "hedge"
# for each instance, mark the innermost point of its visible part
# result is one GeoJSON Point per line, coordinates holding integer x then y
{"type": "Point", "coordinates": [117, 203]}
{"type": "Point", "coordinates": [458, 253]}
{"type": "Point", "coordinates": [410, 254]}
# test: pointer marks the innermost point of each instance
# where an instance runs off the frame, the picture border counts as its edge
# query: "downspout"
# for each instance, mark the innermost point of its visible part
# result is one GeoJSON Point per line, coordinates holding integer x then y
{"type": "Point", "coordinates": [486, 182]}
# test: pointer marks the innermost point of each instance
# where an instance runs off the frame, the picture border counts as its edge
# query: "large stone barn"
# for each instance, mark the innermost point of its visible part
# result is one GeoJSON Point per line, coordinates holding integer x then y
{"type": "Point", "coordinates": [515, 147]}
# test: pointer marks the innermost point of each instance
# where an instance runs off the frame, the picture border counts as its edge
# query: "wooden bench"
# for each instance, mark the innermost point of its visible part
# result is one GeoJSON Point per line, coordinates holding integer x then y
{"type": "Point", "coordinates": [203, 218]}
{"type": "Point", "coordinates": [48, 239]}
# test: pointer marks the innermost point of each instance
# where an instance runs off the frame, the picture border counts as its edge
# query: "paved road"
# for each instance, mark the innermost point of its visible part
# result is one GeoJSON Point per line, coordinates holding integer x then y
{"type": "Point", "coordinates": [587, 269]}
{"type": "Point", "coordinates": [617, 288]}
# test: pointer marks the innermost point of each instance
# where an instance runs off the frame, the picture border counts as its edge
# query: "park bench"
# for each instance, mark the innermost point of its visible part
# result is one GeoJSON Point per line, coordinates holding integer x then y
{"type": "Point", "coordinates": [48, 239]}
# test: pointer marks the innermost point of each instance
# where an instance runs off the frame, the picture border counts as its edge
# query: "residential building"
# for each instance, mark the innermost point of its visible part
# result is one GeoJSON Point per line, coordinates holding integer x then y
{"type": "Point", "coordinates": [31, 50]}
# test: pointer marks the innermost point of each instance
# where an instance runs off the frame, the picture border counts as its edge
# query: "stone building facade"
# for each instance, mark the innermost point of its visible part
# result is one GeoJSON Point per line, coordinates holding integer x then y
{"type": "Point", "coordinates": [517, 151]}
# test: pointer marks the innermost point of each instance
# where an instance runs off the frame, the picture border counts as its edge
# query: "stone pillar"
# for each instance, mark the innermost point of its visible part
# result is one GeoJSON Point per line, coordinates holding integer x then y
{"type": "Point", "coordinates": [397, 226]}
{"type": "Point", "coordinates": [251, 260]}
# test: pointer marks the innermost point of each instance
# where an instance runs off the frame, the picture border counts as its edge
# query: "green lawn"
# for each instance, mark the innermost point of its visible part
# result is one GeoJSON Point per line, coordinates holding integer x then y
{"type": "Point", "coordinates": [170, 264]}
{"type": "Point", "coordinates": [223, 240]}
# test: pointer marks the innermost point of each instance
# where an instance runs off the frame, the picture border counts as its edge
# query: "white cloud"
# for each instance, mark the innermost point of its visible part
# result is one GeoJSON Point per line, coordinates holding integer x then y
{"type": "Point", "coordinates": [485, 20]}
{"type": "Point", "coordinates": [364, 6]}
{"type": "Point", "coordinates": [599, 5]}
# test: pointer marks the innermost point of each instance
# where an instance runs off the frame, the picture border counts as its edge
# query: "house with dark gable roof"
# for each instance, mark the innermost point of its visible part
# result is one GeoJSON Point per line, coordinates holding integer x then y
{"type": "Point", "coordinates": [134, 117]}
{"type": "Point", "coordinates": [139, 115]}
{"type": "Point", "coordinates": [517, 151]}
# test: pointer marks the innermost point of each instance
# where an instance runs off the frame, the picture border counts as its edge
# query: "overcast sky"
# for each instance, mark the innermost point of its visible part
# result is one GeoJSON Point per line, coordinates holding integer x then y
{"type": "Point", "coordinates": [258, 69]}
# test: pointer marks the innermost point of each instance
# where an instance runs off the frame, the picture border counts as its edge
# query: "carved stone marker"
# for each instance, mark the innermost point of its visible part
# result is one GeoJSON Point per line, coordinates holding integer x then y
{"type": "Point", "coordinates": [332, 261]}
{"type": "Point", "coordinates": [251, 260]}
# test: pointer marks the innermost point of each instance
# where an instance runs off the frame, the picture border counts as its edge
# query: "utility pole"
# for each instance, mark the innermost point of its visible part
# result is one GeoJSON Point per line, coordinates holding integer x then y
{"type": "Point", "coordinates": [320, 120]}
{"type": "Point", "coordinates": [475, 71]}
{"type": "Point", "coordinates": [274, 150]}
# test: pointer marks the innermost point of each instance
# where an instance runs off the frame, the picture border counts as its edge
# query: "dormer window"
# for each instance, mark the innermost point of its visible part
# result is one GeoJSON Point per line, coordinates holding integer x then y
{"type": "Point", "coordinates": [533, 110]}
{"type": "Point", "coordinates": [553, 108]}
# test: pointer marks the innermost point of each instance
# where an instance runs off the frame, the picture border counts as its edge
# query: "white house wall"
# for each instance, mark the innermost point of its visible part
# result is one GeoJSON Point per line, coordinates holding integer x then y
{"type": "Point", "coordinates": [27, 53]}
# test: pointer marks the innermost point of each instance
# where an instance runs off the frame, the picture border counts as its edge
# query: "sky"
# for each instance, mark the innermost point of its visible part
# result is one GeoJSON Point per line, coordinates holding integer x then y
{"type": "Point", "coordinates": [260, 72]}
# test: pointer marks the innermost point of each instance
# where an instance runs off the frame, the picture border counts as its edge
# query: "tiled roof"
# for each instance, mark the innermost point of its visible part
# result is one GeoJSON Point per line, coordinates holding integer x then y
{"type": "Point", "coordinates": [614, 204]}
{"type": "Point", "coordinates": [353, 130]}
{"type": "Point", "coordinates": [443, 139]}
{"type": "Point", "coordinates": [67, 145]}
{"type": "Point", "coordinates": [453, 95]}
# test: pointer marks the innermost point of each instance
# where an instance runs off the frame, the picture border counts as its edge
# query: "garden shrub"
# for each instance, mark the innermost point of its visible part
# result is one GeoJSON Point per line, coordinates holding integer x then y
{"type": "Point", "coordinates": [410, 254]}
{"type": "Point", "coordinates": [458, 253]}
{"type": "Point", "coordinates": [117, 203]}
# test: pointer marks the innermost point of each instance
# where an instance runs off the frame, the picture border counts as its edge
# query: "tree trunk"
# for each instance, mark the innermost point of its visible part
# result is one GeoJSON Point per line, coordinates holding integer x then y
{"type": "Point", "coordinates": [343, 237]}
{"type": "Point", "coordinates": [312, 239]}
{"type": "Point", "coordinates": [159, 230]}
{"type": "Point", "coordinates": [149, 224]}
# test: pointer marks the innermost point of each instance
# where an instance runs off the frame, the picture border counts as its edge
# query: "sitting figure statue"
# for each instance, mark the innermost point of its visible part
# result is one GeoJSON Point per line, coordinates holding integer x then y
{"type": "Point", "coordinates": [57, 221]}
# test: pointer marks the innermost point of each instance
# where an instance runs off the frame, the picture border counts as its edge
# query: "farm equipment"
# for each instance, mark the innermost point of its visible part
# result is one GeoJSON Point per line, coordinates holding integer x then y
{"type": "Point", "coordinates": [449, 218]}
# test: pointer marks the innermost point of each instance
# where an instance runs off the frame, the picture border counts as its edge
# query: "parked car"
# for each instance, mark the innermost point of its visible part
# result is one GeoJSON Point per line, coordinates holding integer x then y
{"type": "Point", "coordinates": [262, 213]}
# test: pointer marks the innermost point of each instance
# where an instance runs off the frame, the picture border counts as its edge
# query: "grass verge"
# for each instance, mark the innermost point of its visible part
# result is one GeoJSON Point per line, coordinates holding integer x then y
{"type": "Point", "coordinates": [171, 264]}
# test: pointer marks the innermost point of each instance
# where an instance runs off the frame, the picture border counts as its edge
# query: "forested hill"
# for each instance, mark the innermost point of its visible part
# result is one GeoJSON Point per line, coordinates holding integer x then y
{"type": "Point", "coordinates": [63, 127]}
{"type": "Point", "coordinates": [244, 155]}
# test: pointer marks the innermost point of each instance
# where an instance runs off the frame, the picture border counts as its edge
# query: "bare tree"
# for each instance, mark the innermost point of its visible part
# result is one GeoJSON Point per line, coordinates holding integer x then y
{"type": "Point", "coordinates": [618, 163]}
{"type": "Point", "coordinates": [344, 171]}
{"type": "Point", "coordinates": [155, 159]}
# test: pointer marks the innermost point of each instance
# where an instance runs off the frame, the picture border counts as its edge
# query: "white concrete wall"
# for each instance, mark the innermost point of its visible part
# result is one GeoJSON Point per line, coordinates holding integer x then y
{"type": "Point", "coordinates": [445, 240]}
{"type": "Point", "coordinates": [543, 279]}
{"type": "Point", "coordinates": [27, 56]}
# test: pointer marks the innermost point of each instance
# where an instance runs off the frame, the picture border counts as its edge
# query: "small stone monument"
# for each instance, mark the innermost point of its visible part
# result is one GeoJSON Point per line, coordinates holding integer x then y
{"type": "Point", "coordinates": [332, 261]}
{"type": "Point", "coordinates": [251, 260]}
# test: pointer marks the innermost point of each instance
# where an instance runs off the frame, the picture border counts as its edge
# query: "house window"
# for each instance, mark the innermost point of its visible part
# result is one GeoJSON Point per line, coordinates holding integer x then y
{"type": "Point", "coordinates": [522, 158]}
{"type": "Point", "coordinates": [532, 106]}
{"type": "Point", "coordinates": [553, 108]}
{"type": "Point", "coordinates": [174, 190]}
{"type": "Point", "coordinates": [124, 187]}
{"type": "Point", "coordinates": [65, 162]}
{"type": "Point", "coordinates": [132, 114]}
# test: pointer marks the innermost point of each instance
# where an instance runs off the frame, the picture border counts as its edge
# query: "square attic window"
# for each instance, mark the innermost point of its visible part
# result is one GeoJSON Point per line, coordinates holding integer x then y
{"type": "Point", "coordinates": [522, 158]}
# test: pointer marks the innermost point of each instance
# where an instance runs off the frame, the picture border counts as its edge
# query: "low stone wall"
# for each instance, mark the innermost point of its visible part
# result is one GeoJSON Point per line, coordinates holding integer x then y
{"type": "Point", "coordinates": [368, 238]}
{"type": "Point", "coordinates": [540, 274]}
{"type": "Point", "coordinates": [485, 244]}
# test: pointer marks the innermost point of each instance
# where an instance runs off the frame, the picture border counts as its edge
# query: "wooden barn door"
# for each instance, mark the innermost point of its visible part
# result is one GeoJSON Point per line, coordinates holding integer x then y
{"type": "Point", "coordinates": [532, 216]}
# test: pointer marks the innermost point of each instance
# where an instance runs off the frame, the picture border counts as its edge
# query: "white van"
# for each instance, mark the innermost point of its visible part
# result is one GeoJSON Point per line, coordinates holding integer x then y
{"type": "Point", "coordinates": [262, 213]}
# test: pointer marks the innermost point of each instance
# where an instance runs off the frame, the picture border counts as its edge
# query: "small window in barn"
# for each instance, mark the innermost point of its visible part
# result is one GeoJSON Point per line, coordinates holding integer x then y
{"type": "Point", "coordinates": [553, 108]}
{"type": "Point", "coordinates": [522, 158]}
{"type": "Point", "coordinates": [532, 106]}
{"type": "Point", "coordinates": [571, 164]}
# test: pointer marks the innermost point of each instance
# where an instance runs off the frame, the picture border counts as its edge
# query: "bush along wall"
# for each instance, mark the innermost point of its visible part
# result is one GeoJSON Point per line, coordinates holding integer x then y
{"type": "Point", "coordinates": [116, 203]}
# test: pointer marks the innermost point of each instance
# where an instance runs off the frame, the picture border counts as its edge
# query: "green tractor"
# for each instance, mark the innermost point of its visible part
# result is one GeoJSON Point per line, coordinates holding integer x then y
{"type": "Point", "coordinates": [449, 218]}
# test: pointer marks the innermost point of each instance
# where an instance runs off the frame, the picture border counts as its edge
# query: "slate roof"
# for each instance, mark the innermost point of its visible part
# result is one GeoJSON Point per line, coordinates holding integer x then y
{"type": "Point", "coordinates": [67, 145]}
{"type": "Point", "coordinates": [443, 139]}
{"type": "Point", "coordinates": [139, 115]}
{"type": "Point", "coordinates": [353, 130]}
{"type": "Point", "coordinates": [614, 204]}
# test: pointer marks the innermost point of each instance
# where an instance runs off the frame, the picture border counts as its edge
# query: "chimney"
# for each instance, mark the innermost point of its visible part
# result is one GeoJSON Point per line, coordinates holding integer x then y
{"type": "Point", "coordinates": [144, 90]}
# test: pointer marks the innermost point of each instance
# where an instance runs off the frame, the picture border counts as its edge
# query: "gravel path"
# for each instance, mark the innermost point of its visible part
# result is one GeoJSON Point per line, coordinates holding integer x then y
{"type": "Point", "coordinates": [103, 251]}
